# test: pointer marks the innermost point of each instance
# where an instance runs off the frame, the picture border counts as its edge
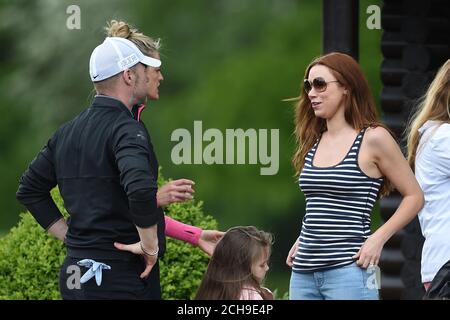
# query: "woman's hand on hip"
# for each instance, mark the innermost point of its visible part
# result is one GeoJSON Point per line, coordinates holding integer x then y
{"type": "Point", "coordinates": [370, 252]}
{"type": "Point", "coordinates": [291, 254]}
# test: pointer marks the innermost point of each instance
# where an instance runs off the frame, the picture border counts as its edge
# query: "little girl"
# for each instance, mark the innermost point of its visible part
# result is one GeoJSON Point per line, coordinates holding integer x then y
{"type": "Point", "coordinates": [238, 267]}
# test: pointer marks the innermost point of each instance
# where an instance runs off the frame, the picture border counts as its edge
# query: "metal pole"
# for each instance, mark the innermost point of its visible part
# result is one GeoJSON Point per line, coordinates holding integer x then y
{"type": "Point", "coordinates": [340, 26]}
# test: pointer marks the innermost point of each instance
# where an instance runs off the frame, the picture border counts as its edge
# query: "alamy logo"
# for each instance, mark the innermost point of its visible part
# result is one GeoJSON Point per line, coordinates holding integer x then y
{"type": "Point", "coordinates": [250, 145]}
{"type": "Point", "coordinates": [374, 20]}
{"type": "Point", "coordinates": [73, 22]}
{"type": "Point", "coordinates": [374, 277]}
{"type": "Point", "coordinates": [73, 281]}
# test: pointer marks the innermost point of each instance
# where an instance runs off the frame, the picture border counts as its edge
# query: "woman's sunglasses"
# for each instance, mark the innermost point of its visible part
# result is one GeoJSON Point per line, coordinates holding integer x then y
{"type": "Point", "coordinates": [319, 84]}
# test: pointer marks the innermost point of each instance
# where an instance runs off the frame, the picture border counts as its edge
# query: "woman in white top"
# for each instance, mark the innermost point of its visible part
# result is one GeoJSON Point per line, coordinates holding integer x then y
{"type": "Point", "coordinates": [429, 155]}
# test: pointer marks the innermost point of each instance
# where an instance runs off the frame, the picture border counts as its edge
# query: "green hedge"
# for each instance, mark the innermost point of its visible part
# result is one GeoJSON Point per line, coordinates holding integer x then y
{"type": "Point", "coordinates": [30, 258]}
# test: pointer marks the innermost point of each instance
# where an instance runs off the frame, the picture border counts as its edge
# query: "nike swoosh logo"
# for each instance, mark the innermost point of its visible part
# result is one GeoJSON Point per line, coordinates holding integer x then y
{"type": "Point", "coordinates": [95, 76]}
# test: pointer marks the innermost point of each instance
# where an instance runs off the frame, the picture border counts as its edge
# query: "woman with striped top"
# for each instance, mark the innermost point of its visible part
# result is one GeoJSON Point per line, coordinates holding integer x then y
{"type": "Point", "coordinates": [345, 160]}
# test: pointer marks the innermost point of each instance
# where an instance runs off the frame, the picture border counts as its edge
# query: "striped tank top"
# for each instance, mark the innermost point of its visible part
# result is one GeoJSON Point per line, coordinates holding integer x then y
{"type": "Point", "coordinates": [339, 202]}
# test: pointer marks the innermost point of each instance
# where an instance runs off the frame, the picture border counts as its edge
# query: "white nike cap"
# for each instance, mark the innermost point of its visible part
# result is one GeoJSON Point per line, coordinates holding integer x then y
{"type": "Point", "coordinates": [115, 55]}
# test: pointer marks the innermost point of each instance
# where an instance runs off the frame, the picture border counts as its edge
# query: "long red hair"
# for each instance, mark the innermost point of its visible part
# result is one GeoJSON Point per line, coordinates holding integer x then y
{"type": "Point", "coordinates": [360, 110]}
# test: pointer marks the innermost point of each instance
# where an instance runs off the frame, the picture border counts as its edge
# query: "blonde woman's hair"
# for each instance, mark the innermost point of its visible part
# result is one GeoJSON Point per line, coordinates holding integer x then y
{"type": "Point", "coordinates": [122, 29]}
{"type": "Point", "coordinates": [434, 105]}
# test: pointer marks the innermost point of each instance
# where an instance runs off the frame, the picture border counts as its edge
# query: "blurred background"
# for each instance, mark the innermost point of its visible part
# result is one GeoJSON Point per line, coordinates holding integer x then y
{"type": "Point", "coordinates": [227, 63]}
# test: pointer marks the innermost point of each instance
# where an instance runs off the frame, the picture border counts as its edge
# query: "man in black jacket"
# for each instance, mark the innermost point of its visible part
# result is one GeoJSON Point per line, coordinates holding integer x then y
{"type": "Point", "coordinates": [104, 164]}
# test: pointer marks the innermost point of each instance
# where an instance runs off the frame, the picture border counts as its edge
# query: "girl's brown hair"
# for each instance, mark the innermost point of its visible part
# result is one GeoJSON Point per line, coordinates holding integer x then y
{"type": "Point", "coordinates": [230, 268]}
{"type": "Point", "coordinates": [360, 110]}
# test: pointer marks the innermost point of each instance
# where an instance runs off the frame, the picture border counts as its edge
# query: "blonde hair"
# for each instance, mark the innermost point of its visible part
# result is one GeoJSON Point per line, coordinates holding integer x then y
{"type": "Point", "coordinates": [123, 29]}
{"type": "Point", "coordinates": [434, 105]}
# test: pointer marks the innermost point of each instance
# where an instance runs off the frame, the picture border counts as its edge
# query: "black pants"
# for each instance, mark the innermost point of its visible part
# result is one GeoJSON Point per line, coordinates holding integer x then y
{"type": "Point", "coordinates": [121, 282]}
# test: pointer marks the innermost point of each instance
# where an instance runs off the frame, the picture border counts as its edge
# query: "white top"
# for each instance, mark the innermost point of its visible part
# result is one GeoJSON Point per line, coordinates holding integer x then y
{"type": "Point", "coordinates": [433, 174]}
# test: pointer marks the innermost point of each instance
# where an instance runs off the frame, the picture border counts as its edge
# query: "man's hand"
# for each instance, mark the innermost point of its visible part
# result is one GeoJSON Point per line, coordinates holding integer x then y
{"type": "Point", "coordinates": [209, 239]}
{"type": "Point", "coordinates": [175, 191]}
{"type": "Point", "coordinates": [135, 248]}
{"type": "Point", "coordinates": [59, 229]}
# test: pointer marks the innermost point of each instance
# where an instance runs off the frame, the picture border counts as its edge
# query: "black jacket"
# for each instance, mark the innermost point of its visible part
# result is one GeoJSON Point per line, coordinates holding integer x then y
{"type": "Point", "coordinates": [440, 286]}
{"type": "Point", "coordinates": [104, 164]}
